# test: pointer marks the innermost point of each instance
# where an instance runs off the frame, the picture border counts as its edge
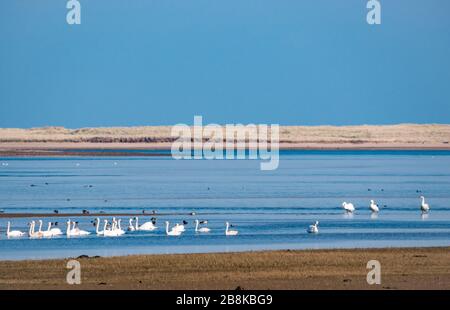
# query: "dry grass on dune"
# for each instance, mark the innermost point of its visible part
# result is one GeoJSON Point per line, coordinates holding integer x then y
{"type": "Point", "coordinates": [321, 269]}
{"type": "Point", "coordinates": [403, 133]}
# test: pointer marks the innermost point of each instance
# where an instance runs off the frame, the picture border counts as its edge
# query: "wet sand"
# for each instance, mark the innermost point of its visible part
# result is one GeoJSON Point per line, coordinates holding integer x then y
{"type": "Point", "coordinates": [65, 149]}
{"type": "Point", "coordinates": [409, 268]}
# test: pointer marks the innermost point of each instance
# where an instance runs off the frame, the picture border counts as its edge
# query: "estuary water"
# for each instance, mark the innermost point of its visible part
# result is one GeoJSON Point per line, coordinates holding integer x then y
{"type": "Point", "coordinates": [270, 209]}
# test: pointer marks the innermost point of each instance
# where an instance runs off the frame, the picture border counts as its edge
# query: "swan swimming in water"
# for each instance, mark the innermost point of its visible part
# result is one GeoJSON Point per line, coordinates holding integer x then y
{"type": "Point", "coordinates": [112, 231]}
{"type": "Point", "coordinates": [31, 233]}
{"type": "Point", "coordinates": [55, 231]}
{"type": "Point", "coordinates": [75, 230]}
{"type": "Point", "coordinates": [425, 207]}
{"type": "Point", "coordinates": [202, 229]}
{"type": "Point", "coordinates": [147, 226]}
{"type": "Point", "coordinates": [119, 229]}
{"type": "Point", "coordinates": [97, 227]}
{"type": "Point", "coordinates": [349, 207]}
{"type": "Point", "coordinates": [47, 233]}
{"type": "Point", "coordinates": [228, 231]}
{"type": "Point", "coordinates": [13, 233]}
{"type": "Point", "coordinates": [313, 229]}
{"type": "Point", "coordinates": [173, 231]}
{"type": "Point", "coordinates": [130, 226]}
{"type": "Point", "coordinates": [373, 206]}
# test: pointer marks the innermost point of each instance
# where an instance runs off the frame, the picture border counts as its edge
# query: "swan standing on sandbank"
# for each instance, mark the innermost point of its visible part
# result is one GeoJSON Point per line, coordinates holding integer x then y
{"type": "Point", "coordinates": [373, 206]}
{"type": "Point", "coordinates": [425, 207]}
{"type": "Point", "coordinates": [348, 207]}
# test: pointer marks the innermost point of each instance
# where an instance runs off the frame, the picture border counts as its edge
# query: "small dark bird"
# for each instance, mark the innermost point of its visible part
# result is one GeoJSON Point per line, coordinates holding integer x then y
{"type": "Point", "coordinates": [85, 212]}
{"type": "Point", "coordinates": [203, 222]}
{"type": "Point", "coordinates": [153, 212]}
{"type": "Point", "coordinates": [55, 211]}
{"type": "Point", "coordinates": [369, 190]}
{"type": "Point", "coordinates": [32, 185]}
{"type": "Point", "coordinates": [382, 190]}
{"type": "Point", "coordinates": [68, 199]}
{"type": "Point", "coordinates": [185, 222]}
{"type": "Point", "coordinates": [192, 213]}
{"type": "Point", "coordinates": [143, 211]}
{"type": "Point", "coordinates": [46, 183]}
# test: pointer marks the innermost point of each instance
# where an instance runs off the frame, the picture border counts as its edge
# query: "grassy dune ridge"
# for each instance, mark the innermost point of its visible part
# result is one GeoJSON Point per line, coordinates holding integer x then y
{"type": "Point", "coordinates": [402, 133]}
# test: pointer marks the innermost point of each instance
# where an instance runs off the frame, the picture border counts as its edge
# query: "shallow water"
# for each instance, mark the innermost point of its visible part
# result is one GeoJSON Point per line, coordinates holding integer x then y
{"type": "Point", "coordinates": [271, 209]}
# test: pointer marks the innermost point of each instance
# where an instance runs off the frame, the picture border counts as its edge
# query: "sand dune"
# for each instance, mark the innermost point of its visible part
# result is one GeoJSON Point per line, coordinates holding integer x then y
{"type": "Point", "coordinates": [365, 136]}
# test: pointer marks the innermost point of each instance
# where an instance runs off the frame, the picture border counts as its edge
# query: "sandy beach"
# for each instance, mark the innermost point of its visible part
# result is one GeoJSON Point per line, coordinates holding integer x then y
{"type": "Point", "coordinates": [409, 268]}
{"type": "Point", "coordinates": [59, 141]}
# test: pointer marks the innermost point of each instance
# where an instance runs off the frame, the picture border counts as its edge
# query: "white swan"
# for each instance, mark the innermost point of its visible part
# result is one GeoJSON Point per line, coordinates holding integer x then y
{"type": "Point", "coordinates": [228, 231]}
{"type": "Point", "coordinates": [179, 227]}
{"type": "Point", "coordinates": [55, 231]}
{"type": "Point", "coordinates": [130, 226]}
{"type": "Point", "coordinates": [47, 233]}
{"type": "Point", "coordinates": [173, 231]}
{"type": "Point", "coordinates": [13, 233]}
{"type": "Point", "coordinates": [32, 233]}
{"type": "Point", "coordinates": [79, 231]}
{"type": "Point", "coordinates": [373, 206]}
{"type": "Point", "coordinates": [313, 229]}
{"type": "Point", "coordinates": [119, 229]}
{"type": "Point", "coordinates": [97, 227]}
{"type": "Point", "coordinates": [111, 231]}
{"type": "Point", "coordinates": [202, 229]}
{"type": "Point", "coordinates": [349, 207]}
{"type": "Point", "coordinates": [147, 226]}
{"type": "Point", "coordinates": [425, 207]}
{"type": "Point", "coordinates": [75, 230]}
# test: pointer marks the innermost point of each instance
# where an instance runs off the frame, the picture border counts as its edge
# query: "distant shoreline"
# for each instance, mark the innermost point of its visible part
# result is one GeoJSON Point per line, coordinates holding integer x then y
{"type": "Point", "coordinates": [402, 268]}
{"type": "Point", "coordinates": [120, 141]}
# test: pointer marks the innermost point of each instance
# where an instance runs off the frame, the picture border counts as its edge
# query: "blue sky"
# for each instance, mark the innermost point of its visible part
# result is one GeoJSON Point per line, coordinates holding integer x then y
{"type": "Point", "coordinates": [160, 62]}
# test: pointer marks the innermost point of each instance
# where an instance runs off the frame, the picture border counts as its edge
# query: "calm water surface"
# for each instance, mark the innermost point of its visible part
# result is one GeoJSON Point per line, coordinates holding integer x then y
{"type": "Point", "coordinates": [271, 209]}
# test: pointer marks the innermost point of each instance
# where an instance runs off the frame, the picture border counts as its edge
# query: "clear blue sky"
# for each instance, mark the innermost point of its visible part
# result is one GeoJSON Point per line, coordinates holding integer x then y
{"type": "Point", "coordinates": [154, 62]}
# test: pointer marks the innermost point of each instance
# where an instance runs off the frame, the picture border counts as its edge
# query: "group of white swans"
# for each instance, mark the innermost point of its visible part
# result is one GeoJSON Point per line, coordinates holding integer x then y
{"type": "Point", "coordinates": [114, 229]}
{"type": "Point", "coordinates": [373, 206]}
{"type": "Point", "coordinates": [350, 208]}
{"type": "Point", "coordinates": [110, 229]}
